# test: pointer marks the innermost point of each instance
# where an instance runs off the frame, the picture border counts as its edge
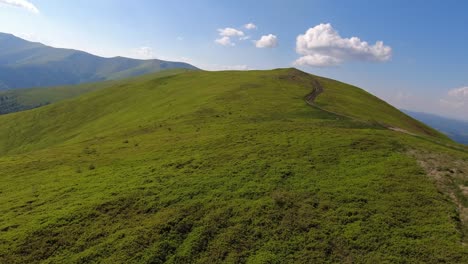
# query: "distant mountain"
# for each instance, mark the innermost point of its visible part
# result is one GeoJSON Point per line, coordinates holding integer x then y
{"type": "Point", "coordinates": [455, 129]}
{"type": "Point", "coordinates": [25, 64]}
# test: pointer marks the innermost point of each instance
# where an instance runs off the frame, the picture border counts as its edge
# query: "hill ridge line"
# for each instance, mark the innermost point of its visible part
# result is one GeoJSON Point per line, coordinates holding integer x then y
{"type": "Point", "coordinates": [317, 90]}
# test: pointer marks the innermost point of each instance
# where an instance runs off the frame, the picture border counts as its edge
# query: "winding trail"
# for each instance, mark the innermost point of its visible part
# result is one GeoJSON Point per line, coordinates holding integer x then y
{"type": "Point", "coordinates": [318, 89]}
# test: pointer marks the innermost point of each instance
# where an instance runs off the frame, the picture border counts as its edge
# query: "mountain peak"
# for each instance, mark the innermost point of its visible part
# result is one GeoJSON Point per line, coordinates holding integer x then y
{"type": "Point", "coordinates": [48, 66]}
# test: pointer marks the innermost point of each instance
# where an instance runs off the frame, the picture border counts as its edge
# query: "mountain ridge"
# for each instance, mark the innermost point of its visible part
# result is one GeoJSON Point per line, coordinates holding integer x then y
{"type": "Point", "coordinates": [25, 64]}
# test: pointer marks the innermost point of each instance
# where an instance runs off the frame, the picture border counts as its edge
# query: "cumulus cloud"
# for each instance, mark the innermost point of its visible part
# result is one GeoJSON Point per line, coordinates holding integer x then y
{"type": "Point", "coordinates": [225, 41]}
{"type": "Point", "coordinates": [226, 34]}
{"type": "Point", "coordinates": [144, 53]}
{"type": "Point", "coordinates": [459, 92]}
{"type": "Point", "coordinates": [267, 41]}
{"type": "Point", "coordinates": [317, 60]}
{"type": "Point", "coordinates": [456, 98]}
{"type": "Point", "coordinates": [21, 3]}
{"type": "Point", "coordinates": [250, 26]}
{"type": "Point", "coordinates": [230, 32]}
{"type": "Point", "coordinates": [322, 46]}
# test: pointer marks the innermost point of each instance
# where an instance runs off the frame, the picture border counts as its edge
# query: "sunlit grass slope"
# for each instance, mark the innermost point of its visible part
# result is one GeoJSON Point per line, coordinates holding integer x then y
{"type": "Point", "coordinates": [217, 167]}
{"type": "Point", "coordinates": [356, 103]}
{"type": "Point", "coordinates": [24, 99]}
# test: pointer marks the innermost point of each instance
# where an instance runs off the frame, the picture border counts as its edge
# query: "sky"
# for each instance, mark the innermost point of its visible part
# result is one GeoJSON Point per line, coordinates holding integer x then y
{"type": "Point", "coordinates": [413, 54]}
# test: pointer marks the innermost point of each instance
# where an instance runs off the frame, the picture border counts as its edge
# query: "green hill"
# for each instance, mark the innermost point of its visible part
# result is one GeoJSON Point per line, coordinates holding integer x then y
{"type": "Point", "coordinates": [24, 99]}
{"type": "Point", "coordinates": [25, 64]}
{"type": "Point", "coordinates": [357, 103]}
{"type": "Point", "coordinates": [228, 167]}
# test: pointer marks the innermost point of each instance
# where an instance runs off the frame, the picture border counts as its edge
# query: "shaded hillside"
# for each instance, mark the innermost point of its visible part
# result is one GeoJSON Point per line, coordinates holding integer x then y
{"type": "Point", "coordinates": [224, 167]}
{"type": "Point", "coordinates": [25, 64]}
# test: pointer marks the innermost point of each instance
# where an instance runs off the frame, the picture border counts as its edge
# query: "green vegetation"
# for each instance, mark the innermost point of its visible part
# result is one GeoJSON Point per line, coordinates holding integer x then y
{"type": "Point", "coordinates": [357, 103]}
{"type": "Point", "coordinates": [223, 167]}
{"type": "Point", "coordinates": [23, 99]}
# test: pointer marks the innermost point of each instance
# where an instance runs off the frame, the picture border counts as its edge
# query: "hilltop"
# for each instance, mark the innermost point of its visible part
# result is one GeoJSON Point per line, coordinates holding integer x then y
{"type": "Point", "coordinates": [25, 64]}
{"type": "Point", "coordinates": [272, 166]}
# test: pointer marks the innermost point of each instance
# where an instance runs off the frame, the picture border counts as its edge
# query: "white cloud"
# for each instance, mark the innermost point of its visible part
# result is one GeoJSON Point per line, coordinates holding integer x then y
{"type": "Point", "coordinates": [454, 104]}
{"type": "Point", "coordinates": [225, 41]}
{"type": "Point", "coordinates": [267, 41]}
{"type": "Point", "coordinates": [226, 34]}
{"type": "Point", "coordinates": [230, 32]}
{"type": "Point", "coordinates": [317, 60]}
{"type": "Point", "coordinates": [250, 26]}
{"type": "Point", "coordinates": [21, 3]}
{"type": "Point", "coordinates": [459, 92]}
{"type": "Point", "coordinates": [322, 46]}
{"type": "Point", "coordinates": [456, 98]}
{"type": "Point", "coordinates": [179, 38]}
{"type": "Point", "coordinates": [144, 53]}
{"type": "Point", "coordinates": [235, 67]}
{"type": "Point", "coordinates": [216, 67]}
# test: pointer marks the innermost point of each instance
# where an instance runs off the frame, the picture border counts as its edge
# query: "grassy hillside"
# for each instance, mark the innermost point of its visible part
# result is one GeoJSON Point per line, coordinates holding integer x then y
{"type": "Point", "coordinates": [353, 102]}
{"type": "Point", "coordinates": [222, 167]}
{"type": "Point", "coordinates": [23, 99]}
{"type": "Point", "coordinates": [25, 64]}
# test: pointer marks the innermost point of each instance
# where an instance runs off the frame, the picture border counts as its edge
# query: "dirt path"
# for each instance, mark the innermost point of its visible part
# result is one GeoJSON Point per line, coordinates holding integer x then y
{"type": "Point", "coordinates": [450, 176]}
{"type": "Point", "coordinates": [401, 130]}
{"type": "Point", "coordinates": [317, 90]}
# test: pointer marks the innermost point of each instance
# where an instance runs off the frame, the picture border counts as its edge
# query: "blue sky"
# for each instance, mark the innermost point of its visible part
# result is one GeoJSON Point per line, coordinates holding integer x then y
{"type": "Point", "coordinates": [421, 64]}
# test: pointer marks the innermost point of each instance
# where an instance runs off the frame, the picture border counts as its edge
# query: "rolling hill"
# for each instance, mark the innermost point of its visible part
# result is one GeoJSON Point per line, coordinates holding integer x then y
{"type": "Point", "coordinates": [25, 64]}
{"type": "Point", "coordinates": [229, 167]}
{"type": "Point", "coordinates": [455, 129]}
{"type": "Point", "coordinates": [24, 99]}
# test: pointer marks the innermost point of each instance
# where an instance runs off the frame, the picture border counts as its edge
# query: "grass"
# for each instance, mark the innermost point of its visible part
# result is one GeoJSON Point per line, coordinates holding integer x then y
{"type": "Point", "coordinates": [24, 99]}
{"type": "Point", "coordinates": [219, 167]}
{"type": "Point", "coordinates": [357, 103]}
